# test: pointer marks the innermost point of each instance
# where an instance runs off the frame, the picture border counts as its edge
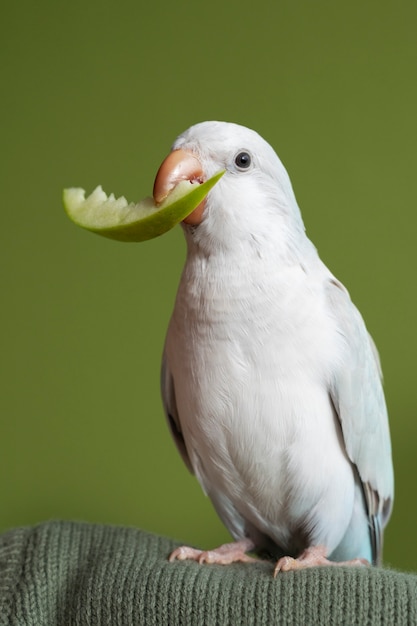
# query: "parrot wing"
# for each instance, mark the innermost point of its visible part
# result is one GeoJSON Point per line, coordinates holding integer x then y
{"type": "Point", "coordinates": [171, 412]}
{"type": "Point", "coordinates": [358, 398]}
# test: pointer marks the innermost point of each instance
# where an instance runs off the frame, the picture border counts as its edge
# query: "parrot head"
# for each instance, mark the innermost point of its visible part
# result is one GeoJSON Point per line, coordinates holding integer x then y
{"type": "Point", "coordinates": [253, 198]}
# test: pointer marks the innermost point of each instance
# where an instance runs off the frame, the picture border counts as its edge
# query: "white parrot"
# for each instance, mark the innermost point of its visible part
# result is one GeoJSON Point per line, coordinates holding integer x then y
{"type": "Point", "coordinates": [270, 381]}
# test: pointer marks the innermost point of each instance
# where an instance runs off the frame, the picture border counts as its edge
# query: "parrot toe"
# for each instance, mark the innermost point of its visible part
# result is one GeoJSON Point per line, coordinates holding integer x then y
{"type": "Point", "coordinates": [313, 557]}
{"type": "Point", "coordinates": [223, 555]}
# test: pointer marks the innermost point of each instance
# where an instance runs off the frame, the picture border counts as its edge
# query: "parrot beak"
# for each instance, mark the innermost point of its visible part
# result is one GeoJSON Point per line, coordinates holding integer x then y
{"type": "Point", "coordinates": [179, 165]}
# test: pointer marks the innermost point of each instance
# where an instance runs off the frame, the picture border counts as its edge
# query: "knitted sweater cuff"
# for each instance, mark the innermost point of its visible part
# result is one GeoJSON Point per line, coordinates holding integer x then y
{"type": "Point", "coordinates": [68, 573]}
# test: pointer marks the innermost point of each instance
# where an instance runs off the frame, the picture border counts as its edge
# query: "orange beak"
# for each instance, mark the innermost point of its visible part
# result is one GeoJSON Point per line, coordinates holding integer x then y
{"type": "Point", "coordinates": [179, 165]}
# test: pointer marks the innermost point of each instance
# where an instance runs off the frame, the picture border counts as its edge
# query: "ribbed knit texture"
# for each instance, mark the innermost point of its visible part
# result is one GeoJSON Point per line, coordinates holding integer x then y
{"type": "Point", "coordinates": [64, 573]}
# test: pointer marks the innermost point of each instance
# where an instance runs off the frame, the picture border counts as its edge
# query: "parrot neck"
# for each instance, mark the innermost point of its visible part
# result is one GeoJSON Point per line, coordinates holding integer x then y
{"type": "Point", "coordinates": [279, 247]}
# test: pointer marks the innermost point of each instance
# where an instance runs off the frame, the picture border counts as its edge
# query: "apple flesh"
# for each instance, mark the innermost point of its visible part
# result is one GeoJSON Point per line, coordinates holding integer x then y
{"type": "Point", "coordinates": [116, 218]}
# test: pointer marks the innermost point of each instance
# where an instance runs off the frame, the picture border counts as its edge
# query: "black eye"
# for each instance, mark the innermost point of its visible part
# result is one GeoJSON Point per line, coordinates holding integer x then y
{"type": "Point", "coordinates": [243, 160]}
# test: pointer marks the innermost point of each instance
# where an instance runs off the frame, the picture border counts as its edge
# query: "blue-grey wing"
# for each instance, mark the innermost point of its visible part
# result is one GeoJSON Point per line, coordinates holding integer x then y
{"type": "Point", "coordinates": [171, 412]}
{"type": "Point", "coordinates": [357, 394]}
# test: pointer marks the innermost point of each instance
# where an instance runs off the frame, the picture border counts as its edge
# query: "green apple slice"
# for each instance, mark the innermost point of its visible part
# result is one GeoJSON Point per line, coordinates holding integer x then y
{"type": "Point", "coordinates": [117, 219]}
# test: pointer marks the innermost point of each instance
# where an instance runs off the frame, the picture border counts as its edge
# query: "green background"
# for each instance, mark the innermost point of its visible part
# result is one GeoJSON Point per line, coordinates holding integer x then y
{"type": "Point", "coordinates": [94, 93]}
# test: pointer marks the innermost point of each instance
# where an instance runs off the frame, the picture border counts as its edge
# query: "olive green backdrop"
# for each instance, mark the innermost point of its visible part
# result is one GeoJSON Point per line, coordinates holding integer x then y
{"type": "Point", "coordinates": [94, 93]}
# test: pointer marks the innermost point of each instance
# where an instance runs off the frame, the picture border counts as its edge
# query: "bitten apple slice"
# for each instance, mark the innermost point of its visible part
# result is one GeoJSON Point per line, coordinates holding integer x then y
{"type": "Point", "coordinates": [116, 218]}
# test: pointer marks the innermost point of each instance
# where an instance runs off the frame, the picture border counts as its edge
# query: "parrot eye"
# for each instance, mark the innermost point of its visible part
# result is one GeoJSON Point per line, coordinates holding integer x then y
{"type": "Point", "coordinates": [243, 160]}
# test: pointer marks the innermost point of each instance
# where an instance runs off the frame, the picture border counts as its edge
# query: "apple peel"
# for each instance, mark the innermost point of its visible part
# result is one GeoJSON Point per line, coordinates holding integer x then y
{"type": "Point", "coordinates": [118, 219]}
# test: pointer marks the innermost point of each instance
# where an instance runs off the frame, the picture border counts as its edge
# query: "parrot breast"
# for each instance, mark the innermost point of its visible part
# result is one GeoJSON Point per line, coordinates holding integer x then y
{"type": "Point", "coordinates": [251, 361]}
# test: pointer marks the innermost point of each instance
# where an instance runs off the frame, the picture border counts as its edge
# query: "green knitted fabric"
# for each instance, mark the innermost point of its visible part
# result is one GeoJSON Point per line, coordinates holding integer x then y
{"type": "Point", "coordinates": [63, 573]}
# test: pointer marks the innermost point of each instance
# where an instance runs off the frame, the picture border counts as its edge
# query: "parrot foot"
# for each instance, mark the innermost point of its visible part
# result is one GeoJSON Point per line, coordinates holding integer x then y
{"type": "Point", "coordinates": [223, 555]}
{"type": "Point", "coordinates": [312, 557]}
